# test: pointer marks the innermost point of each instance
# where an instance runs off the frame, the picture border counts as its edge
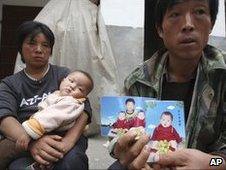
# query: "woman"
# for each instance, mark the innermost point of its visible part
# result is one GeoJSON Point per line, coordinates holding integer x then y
{"type": "Point", "coordinates": [79, 30]}
{"type": "Point", "coordinates": [20, 94]}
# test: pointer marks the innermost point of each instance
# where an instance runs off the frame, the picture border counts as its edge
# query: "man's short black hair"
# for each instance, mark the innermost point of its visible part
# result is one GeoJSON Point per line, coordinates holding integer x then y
{"type": "Point", "coordinates": [32, 28]}
{"type": "Point", "coordinates": [130, 100]}
{"type": "Point", "coordinates": [162, 6]}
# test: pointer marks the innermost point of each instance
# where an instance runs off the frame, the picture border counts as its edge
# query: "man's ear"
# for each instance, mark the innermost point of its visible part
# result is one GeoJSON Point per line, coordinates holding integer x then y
{"type": "Point", "coordinates": [211, 29]}
{"type": "Point", "coordinates": [159, 31]}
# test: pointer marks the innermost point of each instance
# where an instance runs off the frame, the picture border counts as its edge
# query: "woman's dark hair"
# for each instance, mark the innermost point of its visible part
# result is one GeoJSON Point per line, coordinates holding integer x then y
{"type": "Point", "coordinates": [32, 28]}
{"type": "Point", "coordinates": [162, 6]}
{"type": "Point", "coordinates": [130, 100]}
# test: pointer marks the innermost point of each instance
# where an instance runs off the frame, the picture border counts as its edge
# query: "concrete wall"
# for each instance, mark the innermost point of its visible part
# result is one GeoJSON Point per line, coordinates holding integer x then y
{"type": "Point", "coordinates": [219, 42]}
{"type": "Point", "coordinates": [218, 35]}
{"type": "Point", "coordinates": [219, 27]}
{"type": "Point", "coordinates": [125, 26]}
{"type": "Point", "coordinates": [123, 12]}
{"type": "Point", "coordinates": [127, 45]}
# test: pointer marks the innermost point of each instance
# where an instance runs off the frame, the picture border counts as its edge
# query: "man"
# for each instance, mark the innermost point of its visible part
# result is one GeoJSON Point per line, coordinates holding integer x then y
{"type": "Point", "coordinates": [188, 70]}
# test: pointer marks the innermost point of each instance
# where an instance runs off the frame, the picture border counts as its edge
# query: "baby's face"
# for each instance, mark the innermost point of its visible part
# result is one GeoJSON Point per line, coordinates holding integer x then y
{"type": "Point", "coordinates": [76, 85]}
{"type": "Point", "coordinates": [130, 107]}
{"type": "Point", "coordinates": [121, 116]}
{"type": "Point", "coordinates": [166, 120]}
{"type": "Point", "coordinates": [141, 115]}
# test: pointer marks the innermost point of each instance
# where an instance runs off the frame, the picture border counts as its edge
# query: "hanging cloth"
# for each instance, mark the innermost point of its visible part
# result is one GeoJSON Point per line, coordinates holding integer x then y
{"type": "Point", "coordinates": [81, 42]}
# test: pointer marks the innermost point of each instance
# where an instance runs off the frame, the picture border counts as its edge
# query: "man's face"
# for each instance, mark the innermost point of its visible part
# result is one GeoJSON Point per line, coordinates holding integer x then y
{"type": "Point", "coordinates": [185, 28]}
{"type": "Point", "coordinates": [130, 107]}
{"type": "Point", "coordinates": [166, 120]}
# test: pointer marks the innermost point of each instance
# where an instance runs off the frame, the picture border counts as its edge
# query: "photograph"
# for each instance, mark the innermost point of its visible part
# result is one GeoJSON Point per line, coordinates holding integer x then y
{"type": "Point", "coordinates": [121, 114]}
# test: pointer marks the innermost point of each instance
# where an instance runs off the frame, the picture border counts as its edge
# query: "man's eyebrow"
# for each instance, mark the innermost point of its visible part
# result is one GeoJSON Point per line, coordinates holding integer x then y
{"type": "Point", "coordinates": [174, 4]}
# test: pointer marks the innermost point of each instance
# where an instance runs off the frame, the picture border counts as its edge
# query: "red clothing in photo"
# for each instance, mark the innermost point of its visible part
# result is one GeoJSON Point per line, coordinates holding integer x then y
{"type": "Point", "coordinates": [139, 122]}
{"type": "Point", "coordinates": [120, 124]}
{"type": "Point", "coordinates": [131, 120]}
{"type": "Point", "coordinates": [165, 133]}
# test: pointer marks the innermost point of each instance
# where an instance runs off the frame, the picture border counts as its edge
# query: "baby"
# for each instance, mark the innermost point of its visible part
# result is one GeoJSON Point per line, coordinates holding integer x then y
{"type": "Point", "coordinates": [165, 136]}
{"type": "Point", "coordinates": [122, 125]}
{"type": "Point", "coordinates": [60, 109]}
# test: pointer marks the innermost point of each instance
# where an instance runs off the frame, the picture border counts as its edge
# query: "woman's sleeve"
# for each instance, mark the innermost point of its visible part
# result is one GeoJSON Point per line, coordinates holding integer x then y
{"type": "Point", "coordinates": [8, 101]}
{"type": "Point", "coordinates": [88, 110]}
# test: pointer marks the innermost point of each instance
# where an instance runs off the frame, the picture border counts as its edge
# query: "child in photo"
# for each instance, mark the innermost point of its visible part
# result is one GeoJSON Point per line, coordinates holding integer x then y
{"type": "Point", "coordinates": [165, 137]}
{"type": "Point", "coordinates": [129, 119]}
{"type": "Point", "coordinates": [121, 121]}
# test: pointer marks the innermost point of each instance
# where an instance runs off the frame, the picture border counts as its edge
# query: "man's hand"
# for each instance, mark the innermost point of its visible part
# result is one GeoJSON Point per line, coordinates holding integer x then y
{"type": "Point", "coordinates": [47, 149]}
{"type": "Point", "coordinates": [130, 152]}
{"type": "Point", "coordinates": [187, 159]}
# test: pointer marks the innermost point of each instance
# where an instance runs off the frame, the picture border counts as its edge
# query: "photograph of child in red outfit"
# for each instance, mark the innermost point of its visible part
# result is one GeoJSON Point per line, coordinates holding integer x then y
{"type": "Point", "coordinates": [162, 120]}
{"type": "Point", "coordinates": [121, 114]}
{"type": "Point", "coordinates": [130, 118]}
{"type": "Point", "coordinates": [165, 135]}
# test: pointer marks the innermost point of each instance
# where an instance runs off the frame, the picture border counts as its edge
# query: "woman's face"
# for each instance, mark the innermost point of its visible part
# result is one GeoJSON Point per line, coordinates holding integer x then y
{"type": "Point", "coordinates": [36, 51]}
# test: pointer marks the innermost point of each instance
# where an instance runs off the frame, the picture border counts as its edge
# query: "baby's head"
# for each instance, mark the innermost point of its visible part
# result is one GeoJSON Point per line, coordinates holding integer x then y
{"type": "Point", "coordinates": [166, 119]}
{"type": "Point", "coordinates": [77, 84]}
{"type": "Point", "coordinates": [122, 116]}
{"type": "Point", "coordinates": [141, 115]}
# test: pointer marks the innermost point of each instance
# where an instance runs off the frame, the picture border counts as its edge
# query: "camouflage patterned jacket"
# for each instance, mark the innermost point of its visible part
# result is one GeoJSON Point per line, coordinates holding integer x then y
{"type": "Point", "coordinates": [206, 124]}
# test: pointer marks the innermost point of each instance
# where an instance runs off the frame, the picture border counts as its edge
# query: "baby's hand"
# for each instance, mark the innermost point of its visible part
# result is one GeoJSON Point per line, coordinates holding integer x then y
{"type": "Point", "coordinates": [22, 142]}
{"type": "Point", "coordinates": [81, 100]}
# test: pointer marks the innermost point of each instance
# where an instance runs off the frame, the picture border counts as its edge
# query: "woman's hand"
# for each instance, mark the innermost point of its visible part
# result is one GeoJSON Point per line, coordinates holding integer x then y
{"type": "Point", "coordinates": [47, 149]}
{"type": "Point", "coordinates": [130, 152]}
{"type": "Point", "coordinates": [22, 142]}
{"type": "Point", "coordinates": [188, 159]}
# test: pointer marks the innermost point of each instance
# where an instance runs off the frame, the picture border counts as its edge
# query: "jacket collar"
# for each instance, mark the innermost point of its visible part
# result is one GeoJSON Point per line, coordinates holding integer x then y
{"type": "Point", "coordinates": [152, 70]}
